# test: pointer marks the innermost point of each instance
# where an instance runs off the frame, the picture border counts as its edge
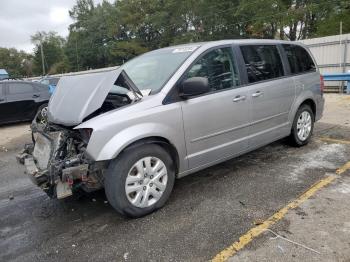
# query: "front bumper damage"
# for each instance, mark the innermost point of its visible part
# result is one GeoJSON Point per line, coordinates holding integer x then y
{"type": "Point", "coordinates": [57, 163]}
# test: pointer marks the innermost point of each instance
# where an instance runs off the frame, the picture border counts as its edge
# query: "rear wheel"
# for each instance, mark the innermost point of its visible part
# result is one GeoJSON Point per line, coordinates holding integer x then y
{"type": "Point", "coordinates": [140, 180]}
{"type": "Point", "coordinates": [303, 126]}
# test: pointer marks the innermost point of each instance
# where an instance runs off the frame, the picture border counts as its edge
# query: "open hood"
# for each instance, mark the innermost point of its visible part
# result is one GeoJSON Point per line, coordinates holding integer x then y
{"type": "Point", "coordinates": [76, 97]}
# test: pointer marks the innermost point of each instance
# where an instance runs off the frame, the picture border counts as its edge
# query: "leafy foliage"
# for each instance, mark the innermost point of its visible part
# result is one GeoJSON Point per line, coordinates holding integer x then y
{"type": "Point", "coordinates": [54, 56]}
{"type": "Point", "coordinates": [16, 63]}
{"type": "Point", "coordinates": [109, 34]}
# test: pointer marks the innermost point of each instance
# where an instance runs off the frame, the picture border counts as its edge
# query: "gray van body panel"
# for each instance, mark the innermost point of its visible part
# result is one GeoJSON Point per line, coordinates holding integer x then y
{"type": "Point", "coordinates": [210, 128]}
{"type": "Point", "coordinates": [83, 93]}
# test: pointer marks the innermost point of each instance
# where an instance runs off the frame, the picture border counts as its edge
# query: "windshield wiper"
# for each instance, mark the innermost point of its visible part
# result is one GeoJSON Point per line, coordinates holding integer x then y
{"type": "Point", "coordinates": [125, 81]}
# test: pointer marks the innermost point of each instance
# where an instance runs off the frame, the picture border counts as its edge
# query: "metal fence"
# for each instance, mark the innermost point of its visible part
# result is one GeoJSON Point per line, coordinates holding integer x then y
{"type": "Point", "coordinates": [332, 54]}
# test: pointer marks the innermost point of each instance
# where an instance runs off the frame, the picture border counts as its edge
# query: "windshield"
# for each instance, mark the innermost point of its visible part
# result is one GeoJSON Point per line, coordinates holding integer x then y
{"type": "Point", "coordinates": [153, 69]}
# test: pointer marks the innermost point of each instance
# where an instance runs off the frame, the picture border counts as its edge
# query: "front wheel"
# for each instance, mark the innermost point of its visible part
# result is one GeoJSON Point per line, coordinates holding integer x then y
{"type": "Point", "coordinates": [303, 126]}
{"type": "Point", "coordinates": [140, 180]}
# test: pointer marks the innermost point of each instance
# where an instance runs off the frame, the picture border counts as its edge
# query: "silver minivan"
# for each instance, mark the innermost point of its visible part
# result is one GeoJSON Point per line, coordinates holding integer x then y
{"type": "Point", "coordinates": [169, 113]}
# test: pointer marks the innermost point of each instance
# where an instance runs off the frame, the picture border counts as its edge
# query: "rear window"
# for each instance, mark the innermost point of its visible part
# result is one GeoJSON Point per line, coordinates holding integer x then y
{"type": "Point", "coordinates": [19, 88]}
{"type": "Point", "coordinates": [263, 62]}
{"type": "Point", "coordinates": [299, 59]}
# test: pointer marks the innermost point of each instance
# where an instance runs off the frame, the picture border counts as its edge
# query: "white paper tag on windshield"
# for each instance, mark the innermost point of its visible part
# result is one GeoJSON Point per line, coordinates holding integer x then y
{"type": "Point", "coordinates": [185, 49]}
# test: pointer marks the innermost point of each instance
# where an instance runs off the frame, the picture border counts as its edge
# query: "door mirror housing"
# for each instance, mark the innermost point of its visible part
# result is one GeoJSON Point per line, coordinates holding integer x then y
{"type": "Point", "coordinates": [194, 86]}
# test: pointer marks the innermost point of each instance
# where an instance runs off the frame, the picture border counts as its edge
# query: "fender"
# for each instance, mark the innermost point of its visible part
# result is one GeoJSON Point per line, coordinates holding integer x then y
{"type": "Point", "coordinates": [132, 134]}
{"type": "Point", "coordinates": [307, 95]}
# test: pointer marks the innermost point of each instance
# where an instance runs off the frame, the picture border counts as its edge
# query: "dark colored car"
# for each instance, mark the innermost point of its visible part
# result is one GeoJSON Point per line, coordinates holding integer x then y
{"type": "Point", "coordinates": [21, 100]}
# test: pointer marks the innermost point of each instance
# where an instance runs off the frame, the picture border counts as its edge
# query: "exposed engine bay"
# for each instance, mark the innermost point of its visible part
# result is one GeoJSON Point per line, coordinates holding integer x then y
{"type": "Point", "coordinates": [57, 161]}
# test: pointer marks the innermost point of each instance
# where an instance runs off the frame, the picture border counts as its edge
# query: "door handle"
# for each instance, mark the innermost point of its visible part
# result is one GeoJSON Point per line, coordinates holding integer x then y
{"type": "Point", "coordinates": [239, 98]}
{"type": "Point", "coordinates": [257, 94]}
{"type": "Point", "coordinates": [36, 96]}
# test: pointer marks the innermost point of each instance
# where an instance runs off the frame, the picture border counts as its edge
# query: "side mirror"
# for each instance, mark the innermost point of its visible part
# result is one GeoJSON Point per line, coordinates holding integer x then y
{"type": "Point", "coordinates": [194, 86]}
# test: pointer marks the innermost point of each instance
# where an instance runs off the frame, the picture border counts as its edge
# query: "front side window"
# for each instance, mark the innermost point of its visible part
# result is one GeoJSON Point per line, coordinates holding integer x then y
{"type": "Point", "coordinates": [19, 88]}
{"type": "Point", "coordinates": [219, 67]}
{"type": "Point", "coordinates": [263, 62]}
{"type": "Point", "coordinates": [299, 59]}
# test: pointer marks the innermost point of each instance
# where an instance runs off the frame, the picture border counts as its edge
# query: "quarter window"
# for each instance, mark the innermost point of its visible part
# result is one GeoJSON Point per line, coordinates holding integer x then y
{"type": "Point", "coordinates": [219, 67]}
{"type": "Point", "coordinates": [20, 88]}
{"type": "Point", "coordinates": [263, 62]}
{"type": "Point", "coordinates": [299, 59]}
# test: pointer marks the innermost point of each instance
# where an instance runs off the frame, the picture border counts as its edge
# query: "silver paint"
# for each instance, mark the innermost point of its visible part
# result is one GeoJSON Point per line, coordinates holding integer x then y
{"type": "Point", "coordinates": [211, 128]}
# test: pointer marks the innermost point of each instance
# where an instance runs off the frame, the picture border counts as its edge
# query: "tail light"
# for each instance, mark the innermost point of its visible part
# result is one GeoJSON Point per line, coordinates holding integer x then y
{"type": "Point", "coordinates": [321, 84]}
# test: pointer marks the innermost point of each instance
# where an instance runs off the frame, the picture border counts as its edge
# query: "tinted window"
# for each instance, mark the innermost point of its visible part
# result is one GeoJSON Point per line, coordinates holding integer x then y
{"type": "Point", "coordinates": [218, 66]}
{"type": "Point", "coordinates": [54, 81]}
{"type": "Point", "coordinates": [20, 88]}
{"type": "Point", "coordinates": [263, 62]}
{"type": "Point", "coordinates": [299, 59]}
{"type": "Point", "coordinates": [40, 87]}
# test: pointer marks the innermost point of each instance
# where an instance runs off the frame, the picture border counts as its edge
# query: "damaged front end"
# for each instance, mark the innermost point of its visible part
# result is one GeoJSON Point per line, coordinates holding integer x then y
{"type": "Point", "coordinates": [57, 162]}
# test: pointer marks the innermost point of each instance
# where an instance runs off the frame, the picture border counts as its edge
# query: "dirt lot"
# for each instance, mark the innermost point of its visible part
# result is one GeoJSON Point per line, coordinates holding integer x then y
{"type": "Point", "coordinates": [206, 213]}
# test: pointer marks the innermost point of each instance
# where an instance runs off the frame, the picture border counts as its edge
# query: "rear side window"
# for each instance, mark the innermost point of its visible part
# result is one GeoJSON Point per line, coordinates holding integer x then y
{"type": "Point", "coordinates": [263, 62]}
{"type": "Point", "coordinates": [20, 88]}
{"type": "Point", "coordinates": [299, 59]}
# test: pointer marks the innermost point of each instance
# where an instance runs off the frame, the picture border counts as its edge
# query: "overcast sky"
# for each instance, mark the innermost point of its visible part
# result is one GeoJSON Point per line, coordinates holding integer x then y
{"type": "Point", "coordinates": [19, 19]}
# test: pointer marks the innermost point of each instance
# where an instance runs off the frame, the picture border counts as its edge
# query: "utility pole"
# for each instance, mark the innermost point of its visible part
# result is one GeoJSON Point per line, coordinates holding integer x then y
{"type": "Point", "coordinates": [76, 53]}
{"type": "Point", "coordinates": [42, 54]}
{"type": "Point", "coordinates": [341, 87]}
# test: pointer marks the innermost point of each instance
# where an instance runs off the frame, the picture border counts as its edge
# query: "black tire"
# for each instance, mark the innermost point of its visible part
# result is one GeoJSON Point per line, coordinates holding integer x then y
{"type": "Point", "coordinates": [40, 116]}
{"type": "Point", "coordinates": [117, 173]}
{"type": "Point", "coordinates": [294, 138]}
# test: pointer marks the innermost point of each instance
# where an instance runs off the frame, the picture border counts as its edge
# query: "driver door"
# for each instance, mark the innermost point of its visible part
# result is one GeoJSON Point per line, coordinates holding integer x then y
{"type": "Point", "coordinates": [216, 123]}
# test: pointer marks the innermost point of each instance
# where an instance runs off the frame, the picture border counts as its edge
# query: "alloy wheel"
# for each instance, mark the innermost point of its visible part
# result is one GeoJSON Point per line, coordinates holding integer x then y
{"type": "Point", "coordinates": [304, 125]}
{"type": "Point", "coordinates": [146, 182]}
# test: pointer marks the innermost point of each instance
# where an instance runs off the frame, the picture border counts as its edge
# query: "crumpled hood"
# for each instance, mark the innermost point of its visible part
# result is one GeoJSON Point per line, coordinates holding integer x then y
{"type": "Point", "coordinates": [76, 97]}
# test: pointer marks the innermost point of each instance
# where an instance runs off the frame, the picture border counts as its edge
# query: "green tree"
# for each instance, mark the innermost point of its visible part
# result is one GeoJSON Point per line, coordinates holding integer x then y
{"type": "Point", "coordinates": [53, 51]}
{"type": "Point", "coordinates": [16, 63]}
{"type": "Point", "coordinates": [109, 34]}
{"type": "Point", "coordinates": [90, 34]}
{"type": "Point", "coordinates": [340, 12]}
